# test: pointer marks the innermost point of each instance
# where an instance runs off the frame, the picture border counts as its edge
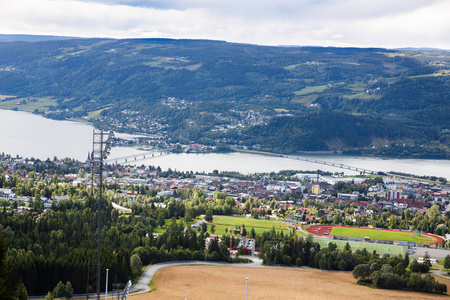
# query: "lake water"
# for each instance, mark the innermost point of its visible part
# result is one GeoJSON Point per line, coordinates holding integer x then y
{"type": "Point", "coordinates": [251, 163]}
{"type": "Point", "coordinates": [30, 135]}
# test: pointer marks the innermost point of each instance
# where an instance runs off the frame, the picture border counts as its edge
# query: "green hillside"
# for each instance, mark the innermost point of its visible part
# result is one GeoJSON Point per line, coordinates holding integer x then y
{"type": "Point", "coordinates": [326, 131]}
{"type": "Point", "coordinates": [206, 91]}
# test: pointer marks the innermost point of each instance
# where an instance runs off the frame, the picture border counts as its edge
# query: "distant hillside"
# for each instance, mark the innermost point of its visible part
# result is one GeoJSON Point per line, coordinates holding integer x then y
{"type": "Point", "coordinates": [114, 71]}
{"type": "Point", "coordinates": [326, 131]}
{"type": "Point", "coordinates": [30, 38]}
{"type": "Point", "coordinates": [423, 99]}
{"type": "Point", "coordinates": [211, 91]}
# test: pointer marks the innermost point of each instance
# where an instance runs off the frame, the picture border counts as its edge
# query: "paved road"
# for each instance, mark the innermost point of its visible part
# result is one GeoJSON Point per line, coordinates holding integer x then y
{"type": "Point", "coordinates": [433, 252]}
{"type": "Point", "coordinates": [440, 273]}
{"type": "Point", "coordinates": [447, 208]}
{"type": "Point", "coordinates": [142, 285]}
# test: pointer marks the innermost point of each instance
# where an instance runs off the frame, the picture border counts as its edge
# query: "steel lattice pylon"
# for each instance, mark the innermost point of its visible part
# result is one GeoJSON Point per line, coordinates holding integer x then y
{"type": "Point", "coordinates": [100, 151]}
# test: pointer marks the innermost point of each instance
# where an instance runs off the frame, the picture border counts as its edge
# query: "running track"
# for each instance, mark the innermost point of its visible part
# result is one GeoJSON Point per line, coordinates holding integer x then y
{"type": "Point", "coordinates": [325, 230]}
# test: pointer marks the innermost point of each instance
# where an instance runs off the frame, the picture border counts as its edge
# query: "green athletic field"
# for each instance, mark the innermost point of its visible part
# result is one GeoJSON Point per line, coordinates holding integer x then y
{"type": "Point", "coordinates": [380, 248]}
{"type": "Point", "coordinates": [381, 234]}
{"type": "Point", "coordinates": [260, 225]}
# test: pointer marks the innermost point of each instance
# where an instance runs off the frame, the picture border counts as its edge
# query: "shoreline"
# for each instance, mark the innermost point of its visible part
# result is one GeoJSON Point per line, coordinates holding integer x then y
{"type": "Point", "coordinates": [330, 155]}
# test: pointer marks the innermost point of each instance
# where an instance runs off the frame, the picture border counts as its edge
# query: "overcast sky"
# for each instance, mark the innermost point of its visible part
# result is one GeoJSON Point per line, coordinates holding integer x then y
{"type": "Point", "coordinates": [359, 23]}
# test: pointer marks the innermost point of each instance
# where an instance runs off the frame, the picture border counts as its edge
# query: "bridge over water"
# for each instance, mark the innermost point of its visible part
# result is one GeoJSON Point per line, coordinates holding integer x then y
{"type": "Point", "coordinates": [332, 164]}
{"type": "Point", "coordinates": [155, 153]}
{"type": "Point", "coordinates": [137, 157]}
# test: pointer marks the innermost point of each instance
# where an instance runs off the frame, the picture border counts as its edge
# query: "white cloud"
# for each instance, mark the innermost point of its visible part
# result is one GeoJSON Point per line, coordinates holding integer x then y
{"type": "Point", "coordinates": [375, 23]}
{"type": "Point", "coordinates": [337, 36]}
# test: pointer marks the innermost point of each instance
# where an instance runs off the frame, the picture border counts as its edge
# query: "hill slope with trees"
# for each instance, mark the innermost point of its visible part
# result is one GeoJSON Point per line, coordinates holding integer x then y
{"type": "Point", "coordinates": [218, 81]}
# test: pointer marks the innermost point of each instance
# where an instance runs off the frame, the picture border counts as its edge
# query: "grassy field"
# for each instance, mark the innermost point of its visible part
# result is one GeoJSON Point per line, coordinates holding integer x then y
{"type": "Point", "coordinates": [96, 113]}
{"type": "Point", "coordinates": [380, 234]}
{"type": "Point", "coordinates": [163, 229]}
{"type": "Point", "coordinates": [225, 282]}
{"type": "Point", "coordinates": [439, 73]}
{"type": "Point", "coordinates": [41, 104]}
{"type": "Point", "coordinates": [292, 67]}
{"type": "Point", "coordinates": [280, 110]}
{"type": "Point", "coordinates": [363, 96]}
{"type": "Point", "coordinates": [311, 89]}
{"type": "Point", "coordinates": [353, 96]}
{"type": "Point", "coordinates": [169, 63]}
{"type": "Point", "coordinates": [305, 99]}
{"type": "Point", "coordinates": [260, 225]}
{"type": "Point", "coordinates": [167, 222]}
{"type": "Point", "coordinates": [380, 248]}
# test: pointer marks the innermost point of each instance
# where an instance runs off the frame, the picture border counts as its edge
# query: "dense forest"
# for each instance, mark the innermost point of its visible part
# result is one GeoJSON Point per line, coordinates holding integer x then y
{"type": "Point", "coordinates": [221, 85]}
{"type": "Point", "coordinates": [326, 130]}
{"type": "Point", "coordinates": [58, 244]}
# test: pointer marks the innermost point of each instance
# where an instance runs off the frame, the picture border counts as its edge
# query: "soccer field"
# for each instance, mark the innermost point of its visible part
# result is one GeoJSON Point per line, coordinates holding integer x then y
{"type": "Point", "coordinates": [380, 248]}
{"type": "Point", "coordinates": [390, 235]}
{"type": "Point", "coordinates": [260, 225]}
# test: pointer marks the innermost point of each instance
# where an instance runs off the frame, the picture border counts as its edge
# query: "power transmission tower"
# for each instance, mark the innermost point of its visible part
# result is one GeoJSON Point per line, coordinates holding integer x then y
{"type": "Point", "coordinates": [100, 150]}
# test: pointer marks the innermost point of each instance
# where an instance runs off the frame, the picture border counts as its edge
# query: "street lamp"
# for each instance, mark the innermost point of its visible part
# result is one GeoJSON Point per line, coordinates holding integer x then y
{"type": "Point", "coordinates": [100, 151]}
{"type": "Point", "coordinates": [246, 287]}
{"type": "Point", "coordinates": [106, 289]}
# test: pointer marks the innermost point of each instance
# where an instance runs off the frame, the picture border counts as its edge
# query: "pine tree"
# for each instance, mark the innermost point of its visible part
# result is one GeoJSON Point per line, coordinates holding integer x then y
{"type": "Point", "coordinates": [49, 296]}
{"type": "Point", "coordinates": [6, 288]}
{"type": "Point", "coordinates": [244, 231]}
{"type": "Point", "coordinates": [406, 260]}
{"type": "Point", "coordinates": [427, 259]}
{"type": "Point", "coordinates": [69, 290]}
{"type": "Point", "coordinates": [447, 262]}
{"type": "Point", "coordinates": [21, 291]}
{"type": "Point", "coordinates": [59, 290]}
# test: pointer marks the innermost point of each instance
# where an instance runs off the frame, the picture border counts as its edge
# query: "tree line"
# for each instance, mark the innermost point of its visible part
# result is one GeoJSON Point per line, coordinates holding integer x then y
{"type": "Point", "coordinates": [386, 271]}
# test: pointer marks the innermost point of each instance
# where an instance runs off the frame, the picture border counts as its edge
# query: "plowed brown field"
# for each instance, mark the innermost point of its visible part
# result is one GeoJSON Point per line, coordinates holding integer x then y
{"type": "Point", "coordinates": [222, 282]}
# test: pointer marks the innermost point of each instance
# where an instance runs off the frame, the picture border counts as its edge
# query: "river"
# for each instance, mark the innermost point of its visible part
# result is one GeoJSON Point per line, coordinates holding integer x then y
{"type": "Point", "coordinates": [31, 135]}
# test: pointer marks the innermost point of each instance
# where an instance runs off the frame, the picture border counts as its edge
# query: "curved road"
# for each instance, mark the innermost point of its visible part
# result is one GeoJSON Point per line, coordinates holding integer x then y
{"type": "Point", "coordinates": [440, 273]}
{"type": "Point", "coordinates": [142, 285]}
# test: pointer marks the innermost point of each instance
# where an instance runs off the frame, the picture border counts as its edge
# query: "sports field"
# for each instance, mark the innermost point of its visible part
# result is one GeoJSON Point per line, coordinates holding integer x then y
{"type": "Point", "coordinates": [380, 248]}
{"type": "Point", "coordinates": [391, 235]}
{"type": "Point", "coordinates": [374, 233]}
{"type": "Point", "coordinates": [260, 225]}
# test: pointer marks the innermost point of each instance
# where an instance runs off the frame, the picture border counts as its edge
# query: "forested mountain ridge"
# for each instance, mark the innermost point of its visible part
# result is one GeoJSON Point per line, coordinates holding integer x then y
{"type": "Point", "coordinates": [210, 91]}
{"type": "Point", "coordinates": [30, 38]}
{"type": "Point", "coordinates": [327, 130]}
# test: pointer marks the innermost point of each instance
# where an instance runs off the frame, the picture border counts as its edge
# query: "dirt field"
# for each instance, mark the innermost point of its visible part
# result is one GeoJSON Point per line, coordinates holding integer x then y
{"type": "Point", "coordinates": [212, 282]}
